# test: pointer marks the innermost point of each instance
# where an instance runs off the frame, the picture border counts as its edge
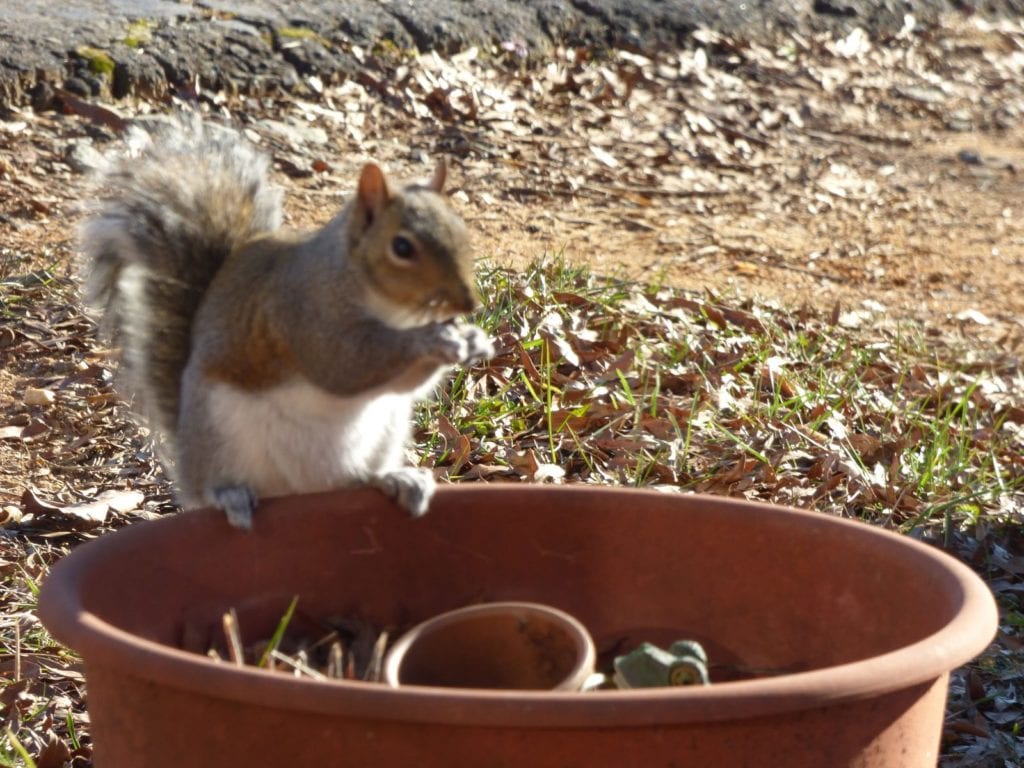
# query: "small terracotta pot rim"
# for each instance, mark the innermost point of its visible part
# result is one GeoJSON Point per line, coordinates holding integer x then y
{"type": "Point", "coordinates": [917, 664]}
{"type": "Point", "coordinates": [582, 641]}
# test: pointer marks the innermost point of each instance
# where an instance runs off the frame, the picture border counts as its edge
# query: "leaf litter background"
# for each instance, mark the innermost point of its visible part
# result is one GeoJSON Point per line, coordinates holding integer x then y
{"type": "Point", "coordinates": [787, 273]}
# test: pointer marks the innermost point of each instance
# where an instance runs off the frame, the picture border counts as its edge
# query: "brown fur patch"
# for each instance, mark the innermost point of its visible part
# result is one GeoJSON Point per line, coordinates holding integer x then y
{"type": "Point", "coordinates": [256, 354]}
{"type": "Point", "coordinates": [263, 361]}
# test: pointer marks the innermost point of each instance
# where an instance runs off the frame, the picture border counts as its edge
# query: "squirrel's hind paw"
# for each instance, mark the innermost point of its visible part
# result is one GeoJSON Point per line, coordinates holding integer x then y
{"type": "Point", "coordinates": [238, 503]}
{"type": "Point", "coordinates": [410, 487]}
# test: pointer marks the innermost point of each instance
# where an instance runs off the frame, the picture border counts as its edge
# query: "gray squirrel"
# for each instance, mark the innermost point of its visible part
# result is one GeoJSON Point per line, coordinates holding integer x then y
{"type": "Point", "coordinates": [272, 362]}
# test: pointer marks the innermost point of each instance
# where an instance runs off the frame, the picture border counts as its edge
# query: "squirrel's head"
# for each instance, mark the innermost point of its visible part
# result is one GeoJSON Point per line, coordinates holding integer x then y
{"type": "Point", "coordinates": [412, 249]}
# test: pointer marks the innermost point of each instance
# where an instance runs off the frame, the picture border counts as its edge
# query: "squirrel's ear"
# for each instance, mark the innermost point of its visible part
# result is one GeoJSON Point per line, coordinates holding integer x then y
{"type": "Point", "coordinates": [440, 174]}
{"type": "Point", "coordinates": [373, 190]}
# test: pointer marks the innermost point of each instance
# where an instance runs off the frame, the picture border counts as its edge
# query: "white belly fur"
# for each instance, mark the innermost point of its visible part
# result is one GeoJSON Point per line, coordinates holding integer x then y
{"type": "Point", "coordinates": [297, 438]}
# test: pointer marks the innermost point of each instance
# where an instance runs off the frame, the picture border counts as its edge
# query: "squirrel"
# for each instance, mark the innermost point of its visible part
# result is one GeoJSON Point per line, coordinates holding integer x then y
{"type": "Point", "coordinates": [271, 362]}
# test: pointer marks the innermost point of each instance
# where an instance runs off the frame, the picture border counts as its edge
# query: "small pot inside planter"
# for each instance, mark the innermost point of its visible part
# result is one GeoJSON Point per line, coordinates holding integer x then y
{"type": "Point", "coordinates": [829, 641]}
{"type": "Point", "coordinates": [511, 646]}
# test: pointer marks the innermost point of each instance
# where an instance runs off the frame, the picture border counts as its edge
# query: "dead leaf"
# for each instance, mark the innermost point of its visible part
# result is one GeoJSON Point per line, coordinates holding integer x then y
{"type": "Point", "coordinates": [11, 432]}
{"type": "Point", "coordinates": [34, 396]}
{"type": "Point", "coordinates": [73, 105]}
{"type": "Point", "coordinates": [460, 453]}
{"type": "Point", "coordinates": [966, 726]}
{"type": "Point", "coordinates": [121, 501]}
{"type": "Point", "coordinates": [75, 516]}
{"type": "Point", "coordinates": [551, 472]}
{"type": "Point", "coordinates": [55, 754]}
{"type": "Point", "coordinates": [525, 464]}
{"type": "Point", "coordinates": [446, 429]}
{"type": "Point", "coordinates": [89, 513]}
{"type": "Point", "coordinates": [604, 156]}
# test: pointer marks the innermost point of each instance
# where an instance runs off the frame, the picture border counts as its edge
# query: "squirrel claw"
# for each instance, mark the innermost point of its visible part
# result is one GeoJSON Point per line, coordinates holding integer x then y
{"type": "Point", "coordinates": [410, 487]}
{"type": "Point", "coordinates": [238, 503]}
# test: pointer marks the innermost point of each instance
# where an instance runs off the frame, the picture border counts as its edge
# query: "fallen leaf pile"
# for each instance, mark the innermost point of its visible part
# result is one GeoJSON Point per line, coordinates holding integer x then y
{"type": "Point", "coordinates": [607, 382]}
{"type": "Point", "coordinates": [65, 428]}
{"type": "Point", "coordinates": [817, 169]}
{"type": "Point", "coordinates": [826, 166]}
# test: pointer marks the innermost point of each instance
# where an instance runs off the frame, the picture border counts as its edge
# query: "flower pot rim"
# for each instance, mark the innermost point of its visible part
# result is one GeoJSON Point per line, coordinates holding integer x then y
{"type": "Point", "coordinates": [918, 664]}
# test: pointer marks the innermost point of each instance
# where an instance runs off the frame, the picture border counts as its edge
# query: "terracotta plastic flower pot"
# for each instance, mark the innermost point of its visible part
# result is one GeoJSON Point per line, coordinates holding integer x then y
{"type": "Point", "coordinates": [845, 633]}
{"type": "Point", "coordinates": [510, 645]}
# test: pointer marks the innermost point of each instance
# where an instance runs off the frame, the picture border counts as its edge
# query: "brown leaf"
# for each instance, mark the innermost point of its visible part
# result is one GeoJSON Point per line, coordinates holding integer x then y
{"type": "Point", "coordinates": [101, 115]}
{"type": "Point", "coordinates": [868, 447]}
{"type": "Point", "coordinates": [75, 516]}
{"type": "Point", "coordinates": [34, 428]}
{"type": "Point", "coordinates": [564, 348]}
{"type": "Point", "coordinates": [968, 727]}
{"type": "Point", "coordinates": [33, 505]}
{"type": "Point", "coordinates": [572, 299]}
{"type": "Point", "coordinates": [975, 686]}
{"type": "Point", "coordinates": [714, 314]}
{"type": "Point", "coordinates": [484, 471]}
{"type": "Point", "coordinates": [446, 429]}
{"type": "Point", "coordinates": [525, 464]}
{"type": "Point", "coordinates": [55, 754]}
{"type": "Point", "coordinates": [567, 420]}
{"type": "Point", "coordinates": [460, 453]}
{"type": "Point", "coordinates": [621, 364]}
{"type": "Point", "coordinates": [11, 692]}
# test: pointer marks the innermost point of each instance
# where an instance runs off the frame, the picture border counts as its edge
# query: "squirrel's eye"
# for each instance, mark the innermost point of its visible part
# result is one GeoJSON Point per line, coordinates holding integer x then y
{"type": "Point", "coordinates": [402, 247]}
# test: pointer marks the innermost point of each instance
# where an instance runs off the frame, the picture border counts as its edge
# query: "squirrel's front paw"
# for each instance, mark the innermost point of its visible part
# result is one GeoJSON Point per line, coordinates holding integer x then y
{"type": "Point", "coordinates": [478, 345]}
{"type": "Point", "coordinates": [411, 487]}
{"type": "Point", "coordinates": [463, 343]}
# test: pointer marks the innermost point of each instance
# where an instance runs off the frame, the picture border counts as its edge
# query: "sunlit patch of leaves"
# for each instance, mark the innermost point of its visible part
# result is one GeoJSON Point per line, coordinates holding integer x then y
{"type": "Point", "coordinates": [64, 430]}
{"type": "Point", "coordinates": [616, 383]}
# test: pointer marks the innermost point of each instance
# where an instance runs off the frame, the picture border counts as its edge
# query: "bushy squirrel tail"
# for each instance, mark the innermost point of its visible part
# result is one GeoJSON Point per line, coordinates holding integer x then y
{"type": "Point", "coordinates": [167, 219]}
